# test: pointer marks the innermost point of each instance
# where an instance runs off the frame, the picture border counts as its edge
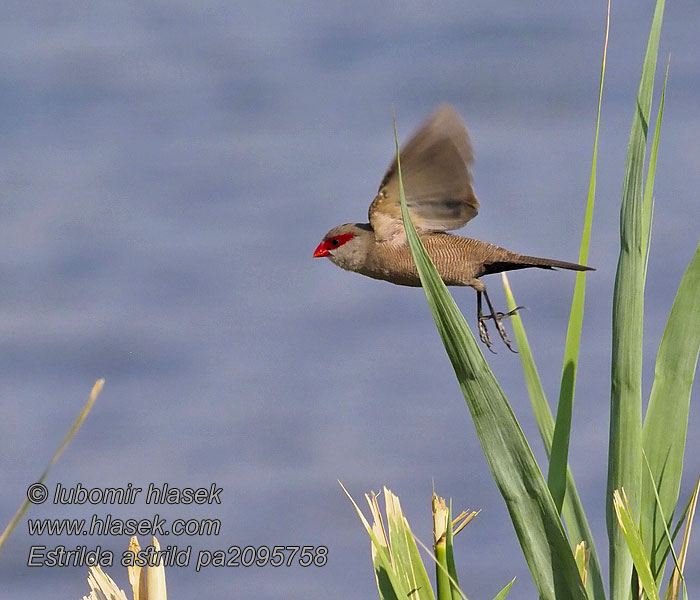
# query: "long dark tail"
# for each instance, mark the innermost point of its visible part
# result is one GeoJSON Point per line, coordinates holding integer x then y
{"type": "Point", "coordinates": [518, 261]}
{"type": "Point", "coordinates": [548, 263]}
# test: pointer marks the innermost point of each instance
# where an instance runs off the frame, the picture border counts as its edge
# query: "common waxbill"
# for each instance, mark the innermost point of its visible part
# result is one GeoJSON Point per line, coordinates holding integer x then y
{"type": "Point", "coordinates": [439, 195]}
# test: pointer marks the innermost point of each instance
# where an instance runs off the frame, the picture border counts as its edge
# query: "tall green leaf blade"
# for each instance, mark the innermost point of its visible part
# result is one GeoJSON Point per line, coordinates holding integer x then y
{"type": "Point", "coordinates": [666, 421]}
{"type": "Point", "coordinates": [572, 509]}
{"type": "Point", "coordinates": [624, 457]}
{"type": "Point", "coordinates": [507, 452]}
{"type": "Point", "coordinates": [559, 457]}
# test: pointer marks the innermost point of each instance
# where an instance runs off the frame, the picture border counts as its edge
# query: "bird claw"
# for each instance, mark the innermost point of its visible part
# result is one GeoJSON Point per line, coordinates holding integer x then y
{"type": "Point", "coordinates": [497, 317]}
{"type": "Point", "coordinates": [484, 334]}
{"type": "Point", "coordinates": [504, 336]}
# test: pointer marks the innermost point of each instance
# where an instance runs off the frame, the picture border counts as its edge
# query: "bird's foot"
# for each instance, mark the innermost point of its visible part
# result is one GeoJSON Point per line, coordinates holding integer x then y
{"type": "Point", "coordinates": [497, 317]}
{"type": "Point", "coordinates": [502, 331]}
{"type": "Point", "coordinates": [484, 334]}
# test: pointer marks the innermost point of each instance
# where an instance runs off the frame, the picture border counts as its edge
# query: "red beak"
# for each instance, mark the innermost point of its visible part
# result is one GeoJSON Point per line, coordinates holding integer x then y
{"type": "Point", "coordinates": [321, 251]}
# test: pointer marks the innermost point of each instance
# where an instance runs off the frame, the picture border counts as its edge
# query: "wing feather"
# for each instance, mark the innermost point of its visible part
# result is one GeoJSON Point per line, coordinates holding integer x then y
{"type": "Point", "coordinates": [437, 182]}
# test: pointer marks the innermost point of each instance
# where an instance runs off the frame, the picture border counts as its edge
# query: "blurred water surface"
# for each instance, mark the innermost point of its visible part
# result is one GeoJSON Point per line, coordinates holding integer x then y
{"type": "Point", "coordinates": [167, 170]}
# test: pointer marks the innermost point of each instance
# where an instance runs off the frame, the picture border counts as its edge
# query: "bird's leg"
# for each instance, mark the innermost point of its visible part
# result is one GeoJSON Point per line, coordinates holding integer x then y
{"type": "Point", "coordinates": [483, 333]}
{"type": "Point", "coordinates": [498, 317]}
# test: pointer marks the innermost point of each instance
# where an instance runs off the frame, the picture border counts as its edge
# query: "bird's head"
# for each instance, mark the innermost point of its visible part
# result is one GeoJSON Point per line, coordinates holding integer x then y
{"type": "Point", "coordinates": [346, 245]}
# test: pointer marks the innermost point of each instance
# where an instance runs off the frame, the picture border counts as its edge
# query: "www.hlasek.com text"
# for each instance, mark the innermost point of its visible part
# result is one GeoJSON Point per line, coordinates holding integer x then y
{"type": "Point", "coordinates": [110, 525]}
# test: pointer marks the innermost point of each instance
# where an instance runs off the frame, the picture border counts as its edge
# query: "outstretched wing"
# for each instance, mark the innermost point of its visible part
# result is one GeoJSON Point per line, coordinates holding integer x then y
{"type": "Point", "coordinates": [436, 178]}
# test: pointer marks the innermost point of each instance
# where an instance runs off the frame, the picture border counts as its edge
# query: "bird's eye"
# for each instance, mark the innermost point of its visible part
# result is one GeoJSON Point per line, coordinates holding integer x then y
{"type": "Point", "coordinates": [334, 242]}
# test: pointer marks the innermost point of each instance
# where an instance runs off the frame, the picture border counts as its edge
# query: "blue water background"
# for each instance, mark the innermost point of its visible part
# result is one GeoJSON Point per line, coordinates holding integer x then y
{"type": "Point", "coordinates": [167, 170]}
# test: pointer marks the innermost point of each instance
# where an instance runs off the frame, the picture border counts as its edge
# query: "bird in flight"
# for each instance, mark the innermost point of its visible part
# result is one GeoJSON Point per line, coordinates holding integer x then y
{"type": "Point", "coordinates": [440, 198]}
